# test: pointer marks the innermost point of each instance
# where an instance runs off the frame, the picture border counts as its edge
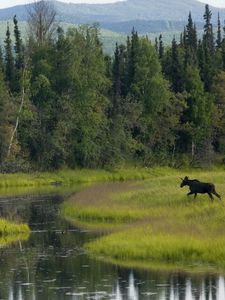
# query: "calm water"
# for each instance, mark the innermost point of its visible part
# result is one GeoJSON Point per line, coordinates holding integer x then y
{"type": "Point", "coordinates": [52, 265]}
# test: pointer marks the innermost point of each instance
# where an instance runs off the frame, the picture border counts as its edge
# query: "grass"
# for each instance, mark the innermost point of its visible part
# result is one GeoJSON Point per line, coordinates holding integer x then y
{"type": "Point", "coordinates": [153, 222]}
{"type": "Point", "coordinates": [9, 228]}
{"type": "Point", "coordinates": [12, 232]}
{"type": "Point", "coordinates": [70, 177]}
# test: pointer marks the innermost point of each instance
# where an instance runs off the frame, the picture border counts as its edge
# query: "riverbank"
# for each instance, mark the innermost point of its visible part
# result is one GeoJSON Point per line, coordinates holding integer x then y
{"type": "Point", "coordinates": [70, 177]}
{"type": "Point", "coordinates": [153, 222]}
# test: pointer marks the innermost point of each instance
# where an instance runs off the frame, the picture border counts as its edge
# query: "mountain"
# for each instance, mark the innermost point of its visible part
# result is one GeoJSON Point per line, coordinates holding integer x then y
{"type": "Point", "coordinates": [145, 15]}
{"type": "Point", "coordinates": [173, 10]}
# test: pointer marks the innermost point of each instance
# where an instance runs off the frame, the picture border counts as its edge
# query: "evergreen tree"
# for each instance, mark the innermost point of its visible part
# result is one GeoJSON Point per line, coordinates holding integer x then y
{"type": "Point", "coordinates": [175, 68]}
{"type": "Point", "coordinates": [208, 70]}
{"type": "Point", "coordinates": [19, 60]}
{"type": "Point", "coordinates": [161, 47]}
{"type": "Point", "coordinates": [208, 38]}
{"type": "Point", "coordinates": [219, 34]}
{"type": "Point", "coordinates": [190, 43]}
{"type": "Point", "coordinates": [19, 57]}
{"type": "Point", "coordinates": [132, 56]}
{"type": "Point", "coordinates": [201, 57]}
{"type": "Point", "coordinates": [9, 60]}
{"type": "Point", "coordinates": [156, 45]}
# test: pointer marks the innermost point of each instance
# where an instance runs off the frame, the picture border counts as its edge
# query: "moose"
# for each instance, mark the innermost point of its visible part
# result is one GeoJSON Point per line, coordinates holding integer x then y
{"type": "Point", "coordinates": [196, 187]}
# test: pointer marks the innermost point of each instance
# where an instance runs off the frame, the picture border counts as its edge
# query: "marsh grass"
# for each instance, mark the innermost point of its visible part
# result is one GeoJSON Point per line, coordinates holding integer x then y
{"type": "Point", "coordinates": [12, 232]}
{"type": "Point", "coordinates": [8, 228]}
{"type": "Point", "coordinates": [157, 223]}
{"type": "Point", "coordinates": [70, 177]}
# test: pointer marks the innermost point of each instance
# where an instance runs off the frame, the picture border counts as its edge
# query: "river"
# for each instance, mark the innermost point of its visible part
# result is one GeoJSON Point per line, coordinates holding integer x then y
{"type": "Point", "coordinates": [52, 264]}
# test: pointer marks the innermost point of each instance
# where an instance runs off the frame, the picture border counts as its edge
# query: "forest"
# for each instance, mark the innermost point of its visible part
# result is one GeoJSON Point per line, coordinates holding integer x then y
{"type": "Point", "coordinates": [64, 103]}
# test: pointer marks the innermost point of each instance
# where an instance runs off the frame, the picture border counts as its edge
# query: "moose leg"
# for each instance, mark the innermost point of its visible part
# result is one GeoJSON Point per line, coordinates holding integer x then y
{"type": "Point", "coordinates": [211, 196]}
{"type": "Point", "coordinates": [195, 195]}
{"type": "Point", "coordinates": [190, 193]}
{"type": "Point", "coordinates": [216, 194]}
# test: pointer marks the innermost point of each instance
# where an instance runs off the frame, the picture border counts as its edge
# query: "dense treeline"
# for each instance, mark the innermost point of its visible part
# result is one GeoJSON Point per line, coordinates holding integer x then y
{"type": "Point", "coordinates": [64, 103]}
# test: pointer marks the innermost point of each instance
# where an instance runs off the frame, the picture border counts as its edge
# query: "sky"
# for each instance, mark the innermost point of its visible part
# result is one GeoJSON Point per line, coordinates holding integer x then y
{"type": "Point", "coordinates": [7, 3]}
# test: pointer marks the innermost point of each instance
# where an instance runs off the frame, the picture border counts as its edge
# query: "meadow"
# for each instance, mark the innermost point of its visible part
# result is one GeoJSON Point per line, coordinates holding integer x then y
{"type": "Point", "coordinates": [152, 223]}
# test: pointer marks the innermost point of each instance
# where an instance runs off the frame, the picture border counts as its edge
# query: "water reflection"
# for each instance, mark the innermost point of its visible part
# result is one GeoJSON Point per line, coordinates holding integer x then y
{"type": "Point", "coordinates": [174, 287]}
{"type": "Point", "coordinates": [52, 264]}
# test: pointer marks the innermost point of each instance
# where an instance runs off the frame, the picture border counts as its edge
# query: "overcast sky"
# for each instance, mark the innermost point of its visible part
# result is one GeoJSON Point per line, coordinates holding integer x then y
{"type": "Point", "coordinates": [7, 3]}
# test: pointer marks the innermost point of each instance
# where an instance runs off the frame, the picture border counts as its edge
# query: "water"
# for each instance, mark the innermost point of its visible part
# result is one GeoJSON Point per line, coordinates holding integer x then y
{"type": "Point", "coordinates": [52, 264]}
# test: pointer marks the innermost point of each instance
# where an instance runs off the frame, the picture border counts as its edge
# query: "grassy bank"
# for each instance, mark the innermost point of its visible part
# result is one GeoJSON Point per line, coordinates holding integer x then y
{"type": "Point", "coordinates": [70, 177]}
{"type": "Point", "coordinates": [153, 222]}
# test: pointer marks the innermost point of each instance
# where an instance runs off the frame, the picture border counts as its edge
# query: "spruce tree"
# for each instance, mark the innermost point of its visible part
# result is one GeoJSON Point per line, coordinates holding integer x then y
{"type": "Point", "coordinates": [208, 37]}
{"type": "Point", "coordinates": [19, 60]}
{"type": "Point", "coordinates": [190, 43]}
{"type": "Point", "coordinates": [19, 57]}
{"type": "Point", "coordinates": [9, 60]}
{"type": "Point", "coordinates": [156, 45]}
{"type": "Point", "coordinates": [219, 34]}
{"type": "Point", "coordinates": [208, 70]}
{"type": "Point", "coordinates": [132, 56]}
{"type": "Point", "coordinates": [118, 77]}
{"type": "Point", "coordinates": [175, 71]}
{"type": "Point", "coordinates": [161, 47]}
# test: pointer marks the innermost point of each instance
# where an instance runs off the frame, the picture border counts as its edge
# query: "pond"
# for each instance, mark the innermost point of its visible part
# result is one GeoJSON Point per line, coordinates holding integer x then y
{"type": "Point", "coordinates": [52, 264]}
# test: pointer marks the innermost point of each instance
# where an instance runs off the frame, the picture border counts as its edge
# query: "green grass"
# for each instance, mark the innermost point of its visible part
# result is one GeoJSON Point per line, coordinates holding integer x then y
{"type": "Point", "coordinates": [9, 228]}
{"type": "Point", "coordinates": [154, 223]}
{"type": "Point", "coordinates": [70, 177]}
{"type": "Point", "coordinates": [12, 232]}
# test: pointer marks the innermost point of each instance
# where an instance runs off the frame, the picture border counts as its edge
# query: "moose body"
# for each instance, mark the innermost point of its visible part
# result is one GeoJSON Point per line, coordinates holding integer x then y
{"type": "Point", "coordinates": [197, 187]}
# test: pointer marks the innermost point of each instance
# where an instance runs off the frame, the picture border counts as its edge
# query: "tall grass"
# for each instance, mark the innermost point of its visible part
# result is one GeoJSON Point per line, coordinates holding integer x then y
{"type": "Point", "coordinates": [157, 222]}
{"type": "Point", "coordinates": [12, 232]}
{"type": "Point", "coordinates": [70, 177]}
{"type": "Point", "coordinates": [9, 228]}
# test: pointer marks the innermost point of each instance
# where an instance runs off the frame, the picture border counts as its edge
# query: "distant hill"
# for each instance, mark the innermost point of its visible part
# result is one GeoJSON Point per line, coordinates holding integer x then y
{"type": "Point", "coordinates": [107, 37]}
{"type": "Point", "coordinates": [144, 15]}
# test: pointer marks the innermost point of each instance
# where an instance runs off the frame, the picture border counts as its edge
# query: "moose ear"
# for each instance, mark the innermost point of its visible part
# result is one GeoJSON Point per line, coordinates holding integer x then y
{"type": "Point", "coordinates": [186, 178]}
{"type": "Point", "coordinates": [181, 179]}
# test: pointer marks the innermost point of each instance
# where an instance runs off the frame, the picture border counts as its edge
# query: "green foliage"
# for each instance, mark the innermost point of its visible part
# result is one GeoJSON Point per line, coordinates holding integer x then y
{"type": "Point", "coordinates": [5, 118]}
{"type": "Point", "coordinates": [71, 105]}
